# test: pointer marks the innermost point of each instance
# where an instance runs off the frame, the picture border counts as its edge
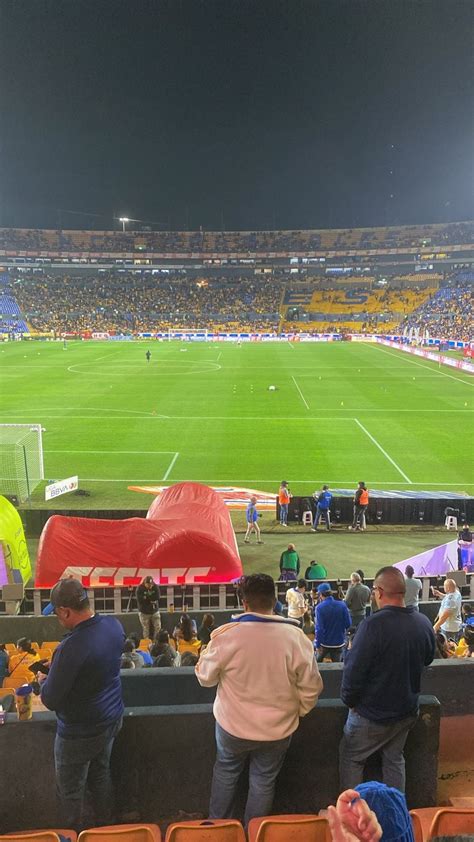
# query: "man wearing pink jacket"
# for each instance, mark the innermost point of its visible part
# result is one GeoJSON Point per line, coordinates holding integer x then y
{"type": "Point", "coordinates": [267, 678]}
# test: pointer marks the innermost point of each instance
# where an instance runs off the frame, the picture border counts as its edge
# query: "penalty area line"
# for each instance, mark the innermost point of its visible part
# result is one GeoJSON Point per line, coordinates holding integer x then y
{"type": "Point", "coordinates": [301, 393]}
{"type": "Point", "coordinates": [387, 456]}
{"type": "Point", "coordinates": [170, 467]}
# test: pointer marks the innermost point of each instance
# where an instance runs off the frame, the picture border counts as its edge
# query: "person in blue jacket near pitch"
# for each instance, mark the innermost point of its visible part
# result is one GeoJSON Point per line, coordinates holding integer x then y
{"type": "Point", "coordinates": [323, 500]}
{"type": "Point", "coordinates": [252, 521]}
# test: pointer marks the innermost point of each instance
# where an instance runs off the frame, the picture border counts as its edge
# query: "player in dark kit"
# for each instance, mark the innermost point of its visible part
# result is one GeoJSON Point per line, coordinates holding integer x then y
{"type": "Point", "coordinates": [148, 356]}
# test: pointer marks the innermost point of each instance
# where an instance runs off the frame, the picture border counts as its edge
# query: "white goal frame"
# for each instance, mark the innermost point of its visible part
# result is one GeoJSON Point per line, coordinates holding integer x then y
{"type": "Point", "coordinates": [32, 428]}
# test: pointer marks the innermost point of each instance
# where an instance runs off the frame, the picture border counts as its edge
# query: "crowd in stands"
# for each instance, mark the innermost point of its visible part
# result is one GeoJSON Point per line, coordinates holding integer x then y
{"type": "Point", "coordinates": [241, 242]}
{"type": "Point", "coordinates": [131, 303]}
{"type": "Point", "coordinates": [448, 313]}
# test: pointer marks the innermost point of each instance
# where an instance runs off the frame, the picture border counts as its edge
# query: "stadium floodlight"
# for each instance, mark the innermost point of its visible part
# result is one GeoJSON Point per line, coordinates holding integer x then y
{"type": "Point", "coordinates": [21, 459]}
{"type": "Point", "coordinates": [124, 220]}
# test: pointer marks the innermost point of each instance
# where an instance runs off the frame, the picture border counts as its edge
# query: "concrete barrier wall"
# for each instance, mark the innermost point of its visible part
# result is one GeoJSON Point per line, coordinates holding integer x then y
{"type": "Point", "coordinates": [163, 758]}
{"type": "Point", "coordinates": [48, 628]}
{"type": "Point", "coordinates": [450, 681]}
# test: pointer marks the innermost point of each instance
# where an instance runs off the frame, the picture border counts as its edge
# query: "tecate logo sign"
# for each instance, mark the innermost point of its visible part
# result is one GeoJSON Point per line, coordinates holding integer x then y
{"type": "Point", "coordinates": [129, 576]}
{"type": "Point", "coordinates": [54, 489]}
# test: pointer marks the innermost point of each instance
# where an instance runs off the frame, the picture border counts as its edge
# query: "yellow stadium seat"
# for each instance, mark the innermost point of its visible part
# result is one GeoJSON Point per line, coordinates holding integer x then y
{"type": "Point", "coordinates": [122, 833]}
{"type": "Point", "coordinates": [11, 648]}
{"type": "Point", "coordinates": [298, 828]}
{"type": "Point", "coordinates": [12, 683]}
{"type": "Point", "coordinates": [145, 643]}
{"type": "Point", "coordinates": [207, 830]}
{"type": "Point", "coordinates": [45, 653]}
{"type": "Point", "coordinates": [50, 644]}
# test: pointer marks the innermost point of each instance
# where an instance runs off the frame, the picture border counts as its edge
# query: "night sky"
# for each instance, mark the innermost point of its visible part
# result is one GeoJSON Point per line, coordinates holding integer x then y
{"type": "Point", "coordinates": [225, 114]}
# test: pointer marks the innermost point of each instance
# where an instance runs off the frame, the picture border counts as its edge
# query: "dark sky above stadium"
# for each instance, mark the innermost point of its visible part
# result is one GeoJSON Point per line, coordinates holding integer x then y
{"type": "Point", "coordinates": [235, 113]}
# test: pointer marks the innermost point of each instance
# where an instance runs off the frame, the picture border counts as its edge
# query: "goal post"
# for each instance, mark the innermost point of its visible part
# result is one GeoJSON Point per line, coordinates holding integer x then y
{"type": "Point", "coordinates": [21, 459]}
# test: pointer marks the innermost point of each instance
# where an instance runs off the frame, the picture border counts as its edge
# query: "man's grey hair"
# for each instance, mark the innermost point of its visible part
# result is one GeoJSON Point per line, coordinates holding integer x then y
{"type": "Point", "coordinates": [355, 577]}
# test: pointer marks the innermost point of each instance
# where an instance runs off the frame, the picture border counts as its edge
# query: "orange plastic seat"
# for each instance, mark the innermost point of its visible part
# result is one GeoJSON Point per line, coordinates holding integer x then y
{"type": "Point", "coordinates": [122, 833]}
{"type": "Point", "coordinates": [45, 653]}
{"type": "Point", "coordinates": [206, 830]}
{"type": "Point", "coordinates": [40, 835]}
{"type": "Point", "coordinates": [297, 828]}
{"type": "Point", "coordinates": [421, 820]}
{"type": "Point", "coordinates": [12, 682]}
{"type": "Point", "coordinates": [145, 643]}
{"type": "Point", "coordinates": [11, 648]}
{"type": "Point", "coordinates": [453, 821]}
{"type": "Point", "coordinates": [50, 644]}
{"type": "Point", "coordinates": [417, 827]}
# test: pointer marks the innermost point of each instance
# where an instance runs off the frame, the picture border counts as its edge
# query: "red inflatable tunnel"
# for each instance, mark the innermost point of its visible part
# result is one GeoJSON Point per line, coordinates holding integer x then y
{"type": "Point", "coordinates": [187, 536]}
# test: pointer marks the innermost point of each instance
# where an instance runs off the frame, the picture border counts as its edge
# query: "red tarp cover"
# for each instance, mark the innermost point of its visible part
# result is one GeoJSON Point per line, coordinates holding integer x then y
{"type": "Point", "coordinates": [187, 536]}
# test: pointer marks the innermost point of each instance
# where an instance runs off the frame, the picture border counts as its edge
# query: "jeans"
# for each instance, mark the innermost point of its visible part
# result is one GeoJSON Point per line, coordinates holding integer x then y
{"type": "Point", "coordinates": [284, 513]}
{"type": "Point", "coordinates": [288, 576]}
{"type": "Point", "coordinates": [266, 760]}
{"type": "Point", "coordinates": [80, 763]}
{"type": "Point", "coordinates": [150, 623]}
{"type": "Point", "coordinates": [324, 515]}
{"type": "Point", "coordinates": [332, 652]}
{"type": "Point", "coordinates": [359, 517]}
{"type": "Point", "coordinates": [362, 738]}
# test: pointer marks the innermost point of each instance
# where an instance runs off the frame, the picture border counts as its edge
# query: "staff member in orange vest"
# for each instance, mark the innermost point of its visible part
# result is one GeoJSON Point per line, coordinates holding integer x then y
{"type": "Point", "coordinates": [361, 501]}
{"type": "Point", "coordinates": [284, 495]}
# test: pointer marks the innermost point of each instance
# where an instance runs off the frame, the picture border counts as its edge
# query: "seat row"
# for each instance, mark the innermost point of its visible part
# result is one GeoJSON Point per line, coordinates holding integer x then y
{"type": "Point", "coordinates": [427, 824]}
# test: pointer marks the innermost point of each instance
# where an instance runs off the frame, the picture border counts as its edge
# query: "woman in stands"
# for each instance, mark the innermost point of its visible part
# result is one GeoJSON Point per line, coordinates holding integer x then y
{"type": "Point", "coordinates": [25, 657]}
{"type": "Point", "coordinates": [207, 626]}
{"type": "Point", "coordinates": [185, 635]}
{"type": "Point", "coordinates": [4, 660]}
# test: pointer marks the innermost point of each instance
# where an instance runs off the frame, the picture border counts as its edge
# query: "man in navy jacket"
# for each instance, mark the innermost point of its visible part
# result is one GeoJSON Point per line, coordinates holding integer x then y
{"type": "Point", "coordinates": [332, 619]}
{"type": "Point", "coordinates": [381, 682]}
{"type": "Point", "coordinates": [84, 688]}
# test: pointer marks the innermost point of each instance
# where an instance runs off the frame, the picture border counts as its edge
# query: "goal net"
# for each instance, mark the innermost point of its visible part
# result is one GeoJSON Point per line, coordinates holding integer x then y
{"type": "Point", "coordinates": [21, 459]}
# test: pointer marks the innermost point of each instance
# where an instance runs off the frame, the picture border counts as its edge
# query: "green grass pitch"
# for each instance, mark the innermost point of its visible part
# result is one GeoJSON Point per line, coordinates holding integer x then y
{"type": "Point", "coordinates": [341, 412]}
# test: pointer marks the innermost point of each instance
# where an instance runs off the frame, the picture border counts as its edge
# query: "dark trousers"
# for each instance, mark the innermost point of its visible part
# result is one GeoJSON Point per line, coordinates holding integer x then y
{"type": "Point", "coordinates": [329, 652]}
{"type": "Point", "coordinates": [359, 512]}
{"type": "Point", "coordinates": [83, 763]}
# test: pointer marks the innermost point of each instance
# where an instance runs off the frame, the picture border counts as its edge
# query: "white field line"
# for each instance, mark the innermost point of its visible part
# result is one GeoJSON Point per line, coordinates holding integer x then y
{"type": "Point", "coordinates": [422, 365]}
{"type": "Point", "coordinates": [170, 467]}
{"type": "Point", "coordinates": [249, 482]}
{"type": "Point", "coordinates": [291, 345]}
{"type": "Point", "coordinates": [154, 452]}
{"type": "Point", "coordinates": [372, 439]}
{"type": "Point", "coordinates": [150, 417]}
{"type": "Point", "coordinates": [219, 356]}
{"type": "Point", "coordinates": [301, 393]}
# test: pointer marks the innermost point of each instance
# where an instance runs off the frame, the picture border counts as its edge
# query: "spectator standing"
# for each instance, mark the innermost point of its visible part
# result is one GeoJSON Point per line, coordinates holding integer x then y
{"type": "Point", "coordinates": [332, 620]}
{"type": "Point", "coordinates": [323, 504]}
{"type": "Point", "coordinates": [284, 496]}
{"type": "Point", "coordinates": [357, 599]}
{"type": "Point", "coordinates": [449, 618]}
{"type": "Point", "coordinates": [381, 682]}
{"type": "Point", "coordinates": [315, 571]}
{"type": "Point", "coordinates": [83, 688]}
{"type": "Point", "coordinates": [413, 588]}
{"type": "Point", "coordinates": [289, 564]}
{"type": "Point", "coordinates": [361, 501]}
{"type": "Point", "coordinates": [296, 601]}
{"type": "Point", "coordinates": [259, 698]}
{"type": "Point", "coordinates": [464, 544]}
{"type": "Point", "coordinates": [148, 601]}
{"type": "Point", "coordinates": [252, 521]}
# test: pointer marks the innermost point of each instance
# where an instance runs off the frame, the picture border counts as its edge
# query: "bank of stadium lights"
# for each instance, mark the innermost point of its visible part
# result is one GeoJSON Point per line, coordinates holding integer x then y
{"type": "Point", "coordinates": [124, 220]}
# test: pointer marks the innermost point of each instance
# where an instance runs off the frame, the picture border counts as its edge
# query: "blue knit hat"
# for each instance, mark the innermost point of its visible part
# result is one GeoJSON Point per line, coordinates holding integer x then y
{"type": "Point", "coordinates": [389, 805]}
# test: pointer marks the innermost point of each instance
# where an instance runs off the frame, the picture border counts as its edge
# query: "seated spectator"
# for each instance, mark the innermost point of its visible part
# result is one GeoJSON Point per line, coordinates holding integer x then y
{"type": "Point", "coordinates": [26, 655]}
{"type": "Point", "coordinates": [126, 662]}
{"type": "Point", "coordinates": [136, 657]}
{"type": "Point", "coordinates": [357, 599]}
{"type": "Point", "coordinates": [189, 659]}
{"type": "Point", "coordinates": [207, 626]}
{"type": "Point", "coordinates": [164, 661]}
{"type": "Point", "coordinates": [162, 647]}
{"type": "Point", "coordinates": [147, 659]}
{"type": "Point", "coordinates": [315, 571]}
{"type": "Point", "coordinates": [4, 660]}
{"type": "Point", "coordinates": [185, 635]}
{"type": "Point", "coordinates": [289, 564]}
{"type": "Point", "coordinates": [444, 648]}
{"type": "Point", "coordinates": [308, 625]}
{"type": "Point", "coordinates": [465, 647]}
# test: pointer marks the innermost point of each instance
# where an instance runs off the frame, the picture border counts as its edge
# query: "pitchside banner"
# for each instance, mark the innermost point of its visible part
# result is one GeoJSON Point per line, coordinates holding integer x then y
{"type": "Point", "coordinates": [55, 489]}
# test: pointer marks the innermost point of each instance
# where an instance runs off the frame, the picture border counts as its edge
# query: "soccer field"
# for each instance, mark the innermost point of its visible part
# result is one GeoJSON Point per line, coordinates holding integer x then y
{"type": "Point", "coordinates": [340, 413]}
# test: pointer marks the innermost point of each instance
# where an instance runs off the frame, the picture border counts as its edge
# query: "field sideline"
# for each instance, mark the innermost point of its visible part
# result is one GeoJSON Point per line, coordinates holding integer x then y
{"type": "Point", "coordinates": [340, 412]}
